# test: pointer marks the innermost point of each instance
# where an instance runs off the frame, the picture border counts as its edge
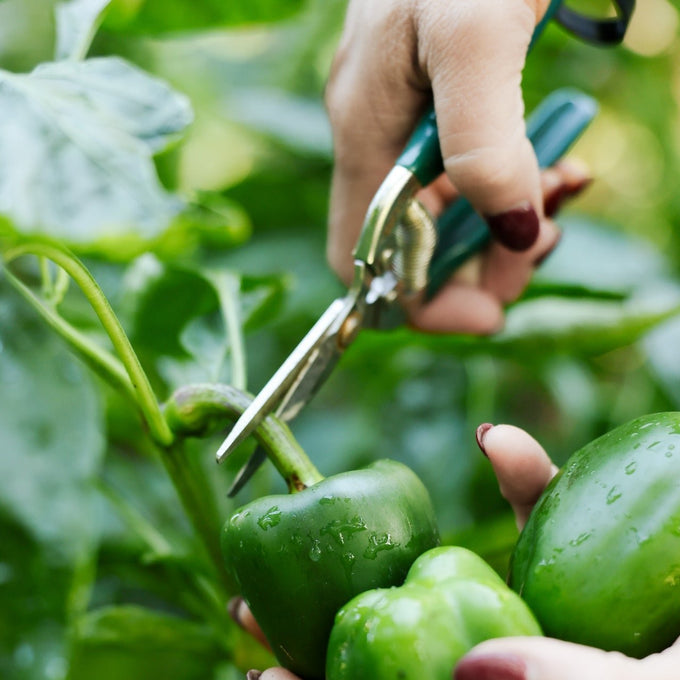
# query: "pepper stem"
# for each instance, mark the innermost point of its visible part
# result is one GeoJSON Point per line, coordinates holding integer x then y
{"type": "Point", "coordinates": [195, 410]}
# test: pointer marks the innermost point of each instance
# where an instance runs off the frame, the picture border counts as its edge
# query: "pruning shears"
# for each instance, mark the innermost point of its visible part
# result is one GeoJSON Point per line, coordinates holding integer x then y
{"type": "Point", "coordinates": [402, 252]}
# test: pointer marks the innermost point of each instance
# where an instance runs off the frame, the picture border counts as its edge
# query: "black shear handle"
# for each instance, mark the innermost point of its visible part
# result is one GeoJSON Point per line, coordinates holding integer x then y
{"type": "Point", "coordinates": [599, 31]}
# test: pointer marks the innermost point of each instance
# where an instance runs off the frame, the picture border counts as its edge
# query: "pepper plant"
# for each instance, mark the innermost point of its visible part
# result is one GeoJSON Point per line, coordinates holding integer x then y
{"type": "Point", "coordinates": [164, 171]}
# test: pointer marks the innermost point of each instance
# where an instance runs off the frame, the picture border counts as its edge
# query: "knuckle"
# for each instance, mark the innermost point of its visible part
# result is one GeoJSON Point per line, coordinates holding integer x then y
{"type": "Point", "coordinates": [491, 168]}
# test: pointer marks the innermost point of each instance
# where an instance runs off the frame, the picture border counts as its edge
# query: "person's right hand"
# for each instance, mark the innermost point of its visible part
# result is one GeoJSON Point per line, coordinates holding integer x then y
{"type": "Point", "coordinates": [394, 57]}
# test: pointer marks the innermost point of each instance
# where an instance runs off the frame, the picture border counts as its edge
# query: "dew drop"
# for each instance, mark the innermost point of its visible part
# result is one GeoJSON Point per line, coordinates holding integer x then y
{"type": "Point", "coordinates": [582, 538]}
{"type": "Point", "coordinates": [270, 518]}
{"type": "Point", "coordinates": [378, 543]}
{"type": "Point", "coordinates": [315, 551]}
{"type": "Point", "coordinates": [349, 558]}
{"type": "Point", "coordinates": [341, 530]}
{"type": "Point", "coordinates": [613, 495]}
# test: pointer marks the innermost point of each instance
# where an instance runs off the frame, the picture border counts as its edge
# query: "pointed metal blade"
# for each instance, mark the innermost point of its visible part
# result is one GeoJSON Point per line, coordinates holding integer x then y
{"type": "Point", "coordinates": [304, 359]}
{"type": "Point", "coordinates": [247, 471]}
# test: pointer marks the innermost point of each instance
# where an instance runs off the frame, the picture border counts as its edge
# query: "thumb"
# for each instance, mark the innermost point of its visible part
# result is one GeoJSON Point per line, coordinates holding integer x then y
{"type": "Point", "coordinates": [535, 658]}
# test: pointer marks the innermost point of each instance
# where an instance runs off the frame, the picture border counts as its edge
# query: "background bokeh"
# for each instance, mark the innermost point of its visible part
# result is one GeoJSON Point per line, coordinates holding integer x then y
{"type": "Point", "coordinates": [93, 542]}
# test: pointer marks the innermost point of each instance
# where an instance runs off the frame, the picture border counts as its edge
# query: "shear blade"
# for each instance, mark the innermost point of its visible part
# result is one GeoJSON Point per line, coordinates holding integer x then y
{"type": "Point", "coordinates": [298, 377]}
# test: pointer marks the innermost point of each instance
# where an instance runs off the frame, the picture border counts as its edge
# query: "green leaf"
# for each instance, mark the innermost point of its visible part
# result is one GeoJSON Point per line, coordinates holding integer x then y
{"type": "Point", "coordinates": [557, 325]}
{"type": "Point", "coordinates": [165, 300]}
{"type": "Point", "coordinates": [77, 22]}
{"type": "Point", "coordinates": [540, 328]}
{"type": "Point", "coordinates": [297, 123]}
{"type": "Point", "coordinates": [190, 320]}
{"type": "Point", "coordinates": [662, 347]}
{"type": "Point", "coordinates": [77, 149]}
{"type": "Point", "coordinates": [595, 258]}
{"type": "Point", "coordinates": [34, 605]}
{"type": "Point", "coordinates": [50, 434]}
{"type": "Point", "coordinates": [261, 299]}
{"type": "Point", "coordinates": [160, 16]}
{"type": "Point", "coordinates": [217, 221]}
{"type": "Point", "coordinates": [136, 643]}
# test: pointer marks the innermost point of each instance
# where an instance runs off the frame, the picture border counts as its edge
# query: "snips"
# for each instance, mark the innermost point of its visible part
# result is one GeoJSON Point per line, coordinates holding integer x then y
{"type": "Point", "coordinates": [402, 253]}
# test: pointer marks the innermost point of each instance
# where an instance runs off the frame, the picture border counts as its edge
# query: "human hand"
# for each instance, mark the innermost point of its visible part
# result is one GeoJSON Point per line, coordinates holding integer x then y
{"type": "Point", "coordinates": [469, 54]}
{"type": "Point", "coordinates": [523, 469]}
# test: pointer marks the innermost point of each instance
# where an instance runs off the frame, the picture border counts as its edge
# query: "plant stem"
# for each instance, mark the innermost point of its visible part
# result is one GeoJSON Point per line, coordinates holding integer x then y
{"type": "Point", "coordinates": [193, 489]}
{"type": "Point", "coordinates": [185, 472]}
{"type": "Point", "coordinates": [98, 359]}
{"type": "Point", "coordinates": [144, 396]}
{"type": "Point", "coordinates": [198, 409]}
{"type": "Point", "coordinates": [227, 290]}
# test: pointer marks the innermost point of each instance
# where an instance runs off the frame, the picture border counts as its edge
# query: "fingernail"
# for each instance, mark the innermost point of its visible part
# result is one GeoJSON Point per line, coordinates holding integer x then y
{"type": "Point", "coordinates": [491, 667]}
{"type": "Point", "coordinates": [556, 199]}
{"type": "Point", "coordinates": [253, 674]}
{"type": "Point", "coordinates": [542, 258]}
{"type": "Point", "coordinates": [234, 609]}
{"type": "Point", "coordinates": [480, 434]}
{"type": "Point", "coordinates": [516, 229]}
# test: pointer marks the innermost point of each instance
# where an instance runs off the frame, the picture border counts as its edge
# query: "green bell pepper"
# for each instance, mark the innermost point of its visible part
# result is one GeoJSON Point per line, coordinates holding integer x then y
{"type": "Point", "coordinates": [599, 559]}
{"type": "Point", "coordinates": [451, 601]}
{"type": "Point", "coordinates": [298, 558]}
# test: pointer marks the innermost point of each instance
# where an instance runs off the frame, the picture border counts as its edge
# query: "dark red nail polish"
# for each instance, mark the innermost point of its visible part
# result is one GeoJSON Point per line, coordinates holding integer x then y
{"type": "Point", "coordinates": [516, 229]}
{"type": "Point", "coordinates": [491, 667]}
{"type": "Point", "coordinates": [253, 674]}
{"type": "Point", "coordinates": [233, 608]}
{"type": "Point", "coordinates": [542, 258]}
{"type": "Point", "coordinates": [479, 434]}
{"type": "Point", "coordinates": [556, 199]}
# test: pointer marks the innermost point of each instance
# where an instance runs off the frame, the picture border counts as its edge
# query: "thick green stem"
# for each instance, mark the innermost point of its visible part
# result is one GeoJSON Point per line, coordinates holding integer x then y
{"type": "Point", "coordinates": [186, 474]}
{"type": "Point", "coordinates": [193, 489]}
{"type": "Point", "coordinates": [198, 409]}
{"type": "Point", "coordinates": [227, 289]}
{"type": "Point", "coordinates": [145, 397]}
{"type": "Point", "coordinates": [98, 359]}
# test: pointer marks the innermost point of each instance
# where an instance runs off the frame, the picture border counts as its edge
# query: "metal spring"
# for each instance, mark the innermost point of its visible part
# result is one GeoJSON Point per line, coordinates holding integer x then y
{"type": "Point", "coordinates": [415, 237]}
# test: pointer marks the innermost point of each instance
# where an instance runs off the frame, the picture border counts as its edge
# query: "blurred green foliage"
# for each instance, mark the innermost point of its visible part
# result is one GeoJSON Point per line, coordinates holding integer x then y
{"type": "Point", "coordinates": [99, 569]}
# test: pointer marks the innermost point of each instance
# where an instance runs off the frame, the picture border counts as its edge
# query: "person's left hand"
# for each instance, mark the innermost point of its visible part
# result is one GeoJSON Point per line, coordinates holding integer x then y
{"type": "Point", "coordinates": [523, 469]}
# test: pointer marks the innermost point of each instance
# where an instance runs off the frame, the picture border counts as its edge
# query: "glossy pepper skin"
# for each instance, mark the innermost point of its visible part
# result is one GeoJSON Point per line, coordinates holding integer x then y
{"type": "Point", "coordinates": [599, 559]}
{"type": "Point", "coordinates": [298, 558]}
{"type": "Point", "coordinates": [451, 601]}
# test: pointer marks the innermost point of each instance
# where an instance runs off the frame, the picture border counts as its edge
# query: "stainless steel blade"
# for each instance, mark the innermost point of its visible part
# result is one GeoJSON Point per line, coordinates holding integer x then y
{"type": "Point", "coordinates": [292, 370]}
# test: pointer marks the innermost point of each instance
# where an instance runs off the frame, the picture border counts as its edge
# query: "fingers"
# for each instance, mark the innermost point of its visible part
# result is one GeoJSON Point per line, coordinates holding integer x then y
{"type": "Point", "coordinates": [459, 309]}
{"type": "Point", "coordinates": [472, 300]}
{"type": "Point", "coordinates": [243, 617]}
{"type": "Point", "coordinates": [241, 614]}
{"type": "Point", "coordinates": [375, 95]}
{"type": "Point", "coordinates": [473, 52]}
{"type": "Point", "coordinates": [563, 181]}
{"type": "Point", "coordinates": [506, 273]}
{"type": "Point", "coordinates": [663, 666]}
{"type": "Point", "coordinates": [470, 54]}
{"type": "Point", "coordinates": [535, 658]}
{"type": "Point", "coordinates": [271, 674]}
{"type": "Point", "coordinates": [522, 466]}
